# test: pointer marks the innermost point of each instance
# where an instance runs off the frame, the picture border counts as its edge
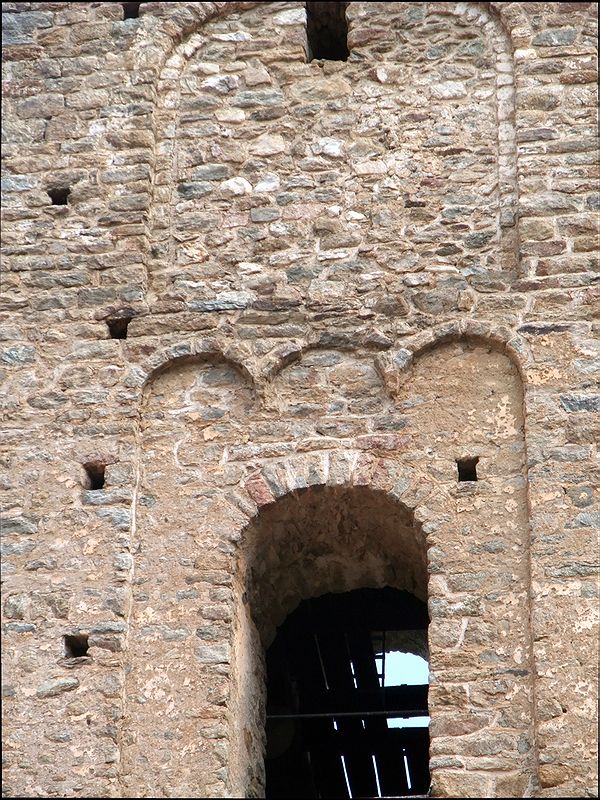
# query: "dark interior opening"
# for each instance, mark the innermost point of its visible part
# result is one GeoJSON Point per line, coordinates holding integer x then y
{"type": "Point", "coordinates": [118, 323]}
{"type": "Point", "coordinates": [95, 474]}
{"type": "Point", "coordinates": [340, 722]}
{"type": "Point", "coordinates": [467, 468]}
{"type": "Point", "coordinates": [76, 645]}
{"type": "Point", "coordinates": [59, 195]}
{"type": "Point", "coordinates": [131, 10]}
{"type": "Point", "coordinates": [327, 31]}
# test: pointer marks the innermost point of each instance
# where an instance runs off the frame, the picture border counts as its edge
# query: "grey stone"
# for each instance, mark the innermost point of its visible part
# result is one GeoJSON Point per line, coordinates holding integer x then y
{"type": "Point", "coordinates": [100, 497]}
{"type": "Point", "coordinates": [546, 203]}
{"type": "Point", "coordinates": [264, 214]}
{"type": "Point", "coordinates": [217, 305]}
{"type": "Point", "coordinates": [582, 496]}
{"type": "Point", "coordinates": [191, 191]}
{"type": "Point", "coordinates": [587, 519]}
{"type": "Point", "coordinates": [129, 202]}
{"type": "Point", "coordinates": [108, 627]}
{"type": "Point", "coordinates": [579, 402]}
{"type": "Point", "coordinates": [175, 635]}
{"type": "Point", "coordinates": [18, 183]}
{"type": "Point", "coordinates": [480, 239]}
{"type": "Point", "coordinates": [16, 605]}
{"type": "Point", "coordinates": [211, 172]}
{"type": "Point", "coordinates": [92, 297]}
{"type": "Point", "coordinates": [53, 688]}
{"type": "Point", "coordinates": [17, 548]}
{"type": "Point", "coordinates": [213, 654]}
{"type": "Point", "coordinates": [111, 686]}
{"type": "Point", "coordinates": [19, 354]}
{"type": "Point", "coordinates": [49, 563]}
{"type": "Point", "coordinates": [19, 28]}
{"type": "Point", "coordinates": [19, 627]}
{"type": "Point", "coordinates": [18, 525]}
{"type": "Point", "coordinates": [120, 518]}
{"type": "Point", "coordinates": [123, 561]}
{"type": "Point", "coordinates": [44, 106]}
{"type": "Point", "coordinates": [60, 736]}
{"type": "Point", "coordinates": [488, 547]}
{"type": "Point", "coordinates": [187, 594]}
{"type": "Point", "coordinates": [554, 37]}
{"type": "Point", "coordinates": [266, 97]}
{"type": "Point", "coordinates": [574, 570]}
{"type": "Point", "coordinates": [542, 329]}
{"type": "Point", "coordinates": [48, 401]}
{"type": "Point", "coordinates": [117, 602]}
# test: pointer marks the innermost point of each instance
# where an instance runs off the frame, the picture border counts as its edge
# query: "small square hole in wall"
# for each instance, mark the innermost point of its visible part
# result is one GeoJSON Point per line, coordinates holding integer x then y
{"type": "Point", "coordinates": [94, 474]}
{"type": "Point", "coordinates": [76, 645]}
{"type": "Point", "coordinates": [467, 468]}
{"type": "Point", "coordinates": [327, 31]}
{"type": "Point", "coordinates": [131, 10]}
{"type": "Point", "coordinates": [118, 324]}
{"type": "Point", "coordinates": [59, 195]}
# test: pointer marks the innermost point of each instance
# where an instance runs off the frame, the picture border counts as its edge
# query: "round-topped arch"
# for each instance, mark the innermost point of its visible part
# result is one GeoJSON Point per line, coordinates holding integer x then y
{"type": "Point", "coordinates": [320, 523]}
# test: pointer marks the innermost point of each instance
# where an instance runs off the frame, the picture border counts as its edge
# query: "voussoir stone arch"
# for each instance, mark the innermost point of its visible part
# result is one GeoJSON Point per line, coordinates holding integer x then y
{"type": "Point", "coordinates": [344, 467]}
{"type": "Point", "coordinates": [199, 350]}
{"type": "Point", "coordinates": [394, 365]}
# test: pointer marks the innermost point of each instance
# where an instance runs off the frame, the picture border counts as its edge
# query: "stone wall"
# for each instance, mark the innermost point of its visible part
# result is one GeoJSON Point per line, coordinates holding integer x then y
{"type": "Point", "coordinates": [341, 278]}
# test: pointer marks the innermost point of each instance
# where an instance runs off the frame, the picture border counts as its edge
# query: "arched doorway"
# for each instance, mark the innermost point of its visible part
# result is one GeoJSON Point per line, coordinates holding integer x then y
{"type": "Point", "coordinates": [333, 580]}
{"type": "Point", "coordinates": [347, 698]}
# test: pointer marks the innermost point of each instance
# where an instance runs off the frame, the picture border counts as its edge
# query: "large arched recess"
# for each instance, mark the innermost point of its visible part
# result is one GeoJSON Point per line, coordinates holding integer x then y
{"type": "Point", "coordinates": [269, 112]}
{"type": "Point", "coordinates": [217, 458]}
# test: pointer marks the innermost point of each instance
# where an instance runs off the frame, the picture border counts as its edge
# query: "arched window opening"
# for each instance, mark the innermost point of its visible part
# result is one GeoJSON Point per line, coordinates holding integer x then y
{"type": "Point", "coordinates": [360, 556]}
{"type": "Point", "coordinates": [347, 684]}
{"type": "Point", "coordinates": [327, 31]}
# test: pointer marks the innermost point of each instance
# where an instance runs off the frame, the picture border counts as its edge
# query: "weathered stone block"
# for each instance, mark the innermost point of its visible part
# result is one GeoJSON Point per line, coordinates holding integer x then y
{"type": "Point", "coordinates": [55, 687]}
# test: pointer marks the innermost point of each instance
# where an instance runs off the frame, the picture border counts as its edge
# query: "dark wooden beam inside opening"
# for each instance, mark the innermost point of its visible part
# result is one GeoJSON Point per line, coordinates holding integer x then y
{"type": "Point", "coordinates": [323, 684]}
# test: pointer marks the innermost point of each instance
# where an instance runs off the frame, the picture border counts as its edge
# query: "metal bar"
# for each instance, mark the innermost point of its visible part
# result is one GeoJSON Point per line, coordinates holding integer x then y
{"type": "Point", "coordinates": [410, 712]}
{"type": "Point", "coordinates": [351, 699]}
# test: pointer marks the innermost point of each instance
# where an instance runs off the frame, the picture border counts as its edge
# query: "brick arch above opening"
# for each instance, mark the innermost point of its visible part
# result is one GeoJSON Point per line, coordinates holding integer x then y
{"type": "Point", "coordinates": [328, 539]}
{"type": "Point", "coordinates": [342, 467]}
{"type": "Point", "coordinates": [463, 622]}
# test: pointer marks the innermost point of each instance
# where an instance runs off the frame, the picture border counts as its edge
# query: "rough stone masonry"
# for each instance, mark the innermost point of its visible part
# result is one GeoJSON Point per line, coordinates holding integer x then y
{"type": "Point", "coordinates": [255, 308]}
